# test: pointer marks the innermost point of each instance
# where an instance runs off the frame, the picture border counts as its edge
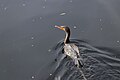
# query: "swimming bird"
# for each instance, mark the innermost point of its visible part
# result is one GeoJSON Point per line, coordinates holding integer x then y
{"type": "Point", "coordinates": [70, 49]}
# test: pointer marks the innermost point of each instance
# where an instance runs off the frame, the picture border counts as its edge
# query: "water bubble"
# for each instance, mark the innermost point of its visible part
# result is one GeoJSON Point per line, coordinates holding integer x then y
{"type": "Point", "coordinates": [5, 8]}
{"type": "Point", "coordinates": [118, 41]}
{"type": "Point", "coordinates": [62, 14]}
{"type": "Point", "coordinates": [32, 45]}
{"type": "Point", "coordinates": [40, 17]}
{"type": "Point", "coordinates": [44, 7]}
{"type": "Point", "coordinates": [49, 50]}
{"type": "Point", "coordinates": [32, 77]}
{"type": "Point", "coordinates": [74, 27]}
{"type": "Point", "coordinates": [33, 20]}
{"type": "Point", "coordinates": [70, 1]}
{"type": "Point", "coordinates": [32, 37]}
{"type": "Point", "coordinates": [23, 4]}
{"type": "Point", "coordinates": [50, 74]}
{"type": "Point", "coordinates": [101, 29]}
{"type": "Point", "coordinates": [100, 20]}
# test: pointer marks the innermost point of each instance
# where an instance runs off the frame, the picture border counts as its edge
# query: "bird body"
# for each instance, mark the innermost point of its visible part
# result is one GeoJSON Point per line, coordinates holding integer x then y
{"type": "Point", "coordinates": [71, 49]}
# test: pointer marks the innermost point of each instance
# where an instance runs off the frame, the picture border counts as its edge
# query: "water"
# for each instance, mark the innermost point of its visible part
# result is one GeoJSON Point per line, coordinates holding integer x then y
{"type": "Point", "coordinates": [99, 64]}
{"type": "Point", "coordinates": [28, 35]}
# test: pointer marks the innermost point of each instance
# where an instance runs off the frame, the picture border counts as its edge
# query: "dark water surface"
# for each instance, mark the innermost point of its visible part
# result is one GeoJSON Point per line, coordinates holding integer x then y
{"type": "Point", "coordinates": [100, 63]}
{"type": "Point", "coordinates": [29, 43]}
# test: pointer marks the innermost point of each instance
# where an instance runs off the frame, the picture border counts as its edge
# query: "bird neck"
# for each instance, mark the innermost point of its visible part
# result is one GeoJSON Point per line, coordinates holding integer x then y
{"type": "Point", "coordinates": [67, 36]}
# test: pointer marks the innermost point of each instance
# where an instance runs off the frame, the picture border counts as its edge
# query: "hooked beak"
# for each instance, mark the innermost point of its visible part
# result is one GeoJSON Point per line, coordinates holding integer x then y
{"type": "Point", "coordinates": [60, 27]}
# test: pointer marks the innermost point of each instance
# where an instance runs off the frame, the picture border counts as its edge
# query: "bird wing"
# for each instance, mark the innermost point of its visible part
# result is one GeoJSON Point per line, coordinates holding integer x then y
{"type": "Point", "coordinates": [71, 50]}
{"type": "Point", "coordinates": [76, 49]}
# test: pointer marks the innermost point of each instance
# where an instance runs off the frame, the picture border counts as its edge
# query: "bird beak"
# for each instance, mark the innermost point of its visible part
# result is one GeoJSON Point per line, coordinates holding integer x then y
{"type": "Point", "coordinates": [60, 27]}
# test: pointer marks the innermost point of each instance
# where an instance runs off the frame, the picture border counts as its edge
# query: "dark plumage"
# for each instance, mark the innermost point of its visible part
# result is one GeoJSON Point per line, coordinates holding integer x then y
{"type": "Point", "coordinates": [71, 49]}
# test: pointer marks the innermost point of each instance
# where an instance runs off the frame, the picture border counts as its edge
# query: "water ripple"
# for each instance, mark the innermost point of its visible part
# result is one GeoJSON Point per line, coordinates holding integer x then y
{"type": "Point", "coordinates": [99, 63]}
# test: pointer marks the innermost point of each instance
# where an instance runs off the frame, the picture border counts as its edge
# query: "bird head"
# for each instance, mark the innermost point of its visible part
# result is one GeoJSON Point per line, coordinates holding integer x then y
{"type": "Point", "coordinates": [64, 28]}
